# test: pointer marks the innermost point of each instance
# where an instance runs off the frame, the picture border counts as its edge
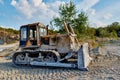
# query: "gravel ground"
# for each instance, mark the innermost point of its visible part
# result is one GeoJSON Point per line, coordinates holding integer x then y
{"type": "Point", "coordinates": [103, 67]}
{"type": "Point", "coordinates": [6, 50]}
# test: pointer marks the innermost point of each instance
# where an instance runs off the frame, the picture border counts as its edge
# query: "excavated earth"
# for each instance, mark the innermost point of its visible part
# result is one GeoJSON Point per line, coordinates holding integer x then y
{"type": "Point", "coordinates": [105, 66]}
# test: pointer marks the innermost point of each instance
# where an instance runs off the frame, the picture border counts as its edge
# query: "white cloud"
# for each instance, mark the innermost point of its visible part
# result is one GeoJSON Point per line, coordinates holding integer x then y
{"type": "Point", "coordinates": [101, 17]}
{"type": "Point", "coordinates": [91, 12]}
{"type": "Point", "coordinates": [98, 23]}
{"type": "Point", "coordinates": [87, 4]}
{"type": "Point", "coordinates": [13, 2]}
{"type": "Point", "coordinates": [33, 8]}
{"type": "Point", "coordinates": [37, 3]}
{"type": "Point", "coordinates": [24, 7]}
{"type": "Point", "coordinates": [97, 20]}
{"type": "Point", "coordinates": [107, 16]}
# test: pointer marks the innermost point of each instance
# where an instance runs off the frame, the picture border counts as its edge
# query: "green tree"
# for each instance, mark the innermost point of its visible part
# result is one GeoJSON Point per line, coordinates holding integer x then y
{"type": "Point", "coordinates": [113, 34]}
{"type": "Point", "coordinates": [114, 26]}
{"type": "Point", "coordinates": [68, 13]}
{"type": "Point", "coordinates": [90, 32]}
{"type": "Point", "coordinates": [80, 23]}
{"type": "Point", "coordinates": [102, 32]}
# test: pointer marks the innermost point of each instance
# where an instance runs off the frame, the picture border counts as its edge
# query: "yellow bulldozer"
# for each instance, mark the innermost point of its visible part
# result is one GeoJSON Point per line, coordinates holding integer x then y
{"type": "Point", "coordinates": [38, 48]}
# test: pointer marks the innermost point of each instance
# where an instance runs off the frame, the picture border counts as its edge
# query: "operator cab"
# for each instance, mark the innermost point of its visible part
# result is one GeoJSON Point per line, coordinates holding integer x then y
{"type": "Point", "coordinates": [31, 34]}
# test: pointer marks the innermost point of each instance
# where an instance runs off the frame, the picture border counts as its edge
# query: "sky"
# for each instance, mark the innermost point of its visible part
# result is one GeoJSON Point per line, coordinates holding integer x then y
{"type": "Point", "coordinates": [14, 13]}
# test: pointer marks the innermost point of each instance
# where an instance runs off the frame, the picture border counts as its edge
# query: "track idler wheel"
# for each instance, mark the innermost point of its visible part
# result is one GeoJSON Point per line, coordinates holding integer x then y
{"type": "Point", "coordinates": [19, 58]}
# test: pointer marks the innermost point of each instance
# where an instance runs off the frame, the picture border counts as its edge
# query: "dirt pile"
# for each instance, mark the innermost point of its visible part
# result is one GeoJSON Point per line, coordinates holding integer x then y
{"type": "Point", "coordinates": [8, 37]}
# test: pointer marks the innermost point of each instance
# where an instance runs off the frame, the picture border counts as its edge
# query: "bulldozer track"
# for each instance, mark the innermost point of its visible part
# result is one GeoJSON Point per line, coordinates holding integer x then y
{"type": "Point", "coordinates": [33, 52]}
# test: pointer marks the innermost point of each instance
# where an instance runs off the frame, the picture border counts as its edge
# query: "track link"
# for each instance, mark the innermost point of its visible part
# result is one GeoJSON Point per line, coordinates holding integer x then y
{"type": "Point", "coordinates": [22, 58]}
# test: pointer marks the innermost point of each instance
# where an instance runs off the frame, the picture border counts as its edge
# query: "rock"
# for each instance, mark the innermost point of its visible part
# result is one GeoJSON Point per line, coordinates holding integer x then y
{"type": "Point", "coordinates": [96, 51]}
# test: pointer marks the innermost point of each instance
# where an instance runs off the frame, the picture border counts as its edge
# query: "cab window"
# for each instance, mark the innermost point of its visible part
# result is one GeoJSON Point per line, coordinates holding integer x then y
{"type": "Point", "coordinates": [32, 34]}
{"type": "Point", "coordinates": [42, 31]}
{"type": "Point", "coordinates": [24, 34]}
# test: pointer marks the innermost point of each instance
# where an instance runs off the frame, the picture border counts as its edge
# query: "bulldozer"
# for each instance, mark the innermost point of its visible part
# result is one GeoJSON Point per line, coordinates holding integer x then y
{"type": "Point", "coordinates": [38, 48]}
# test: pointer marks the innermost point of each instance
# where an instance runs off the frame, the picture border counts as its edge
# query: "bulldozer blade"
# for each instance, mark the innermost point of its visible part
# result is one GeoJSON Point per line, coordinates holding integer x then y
{"type": "Point", "coordinates": [83, 57]}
